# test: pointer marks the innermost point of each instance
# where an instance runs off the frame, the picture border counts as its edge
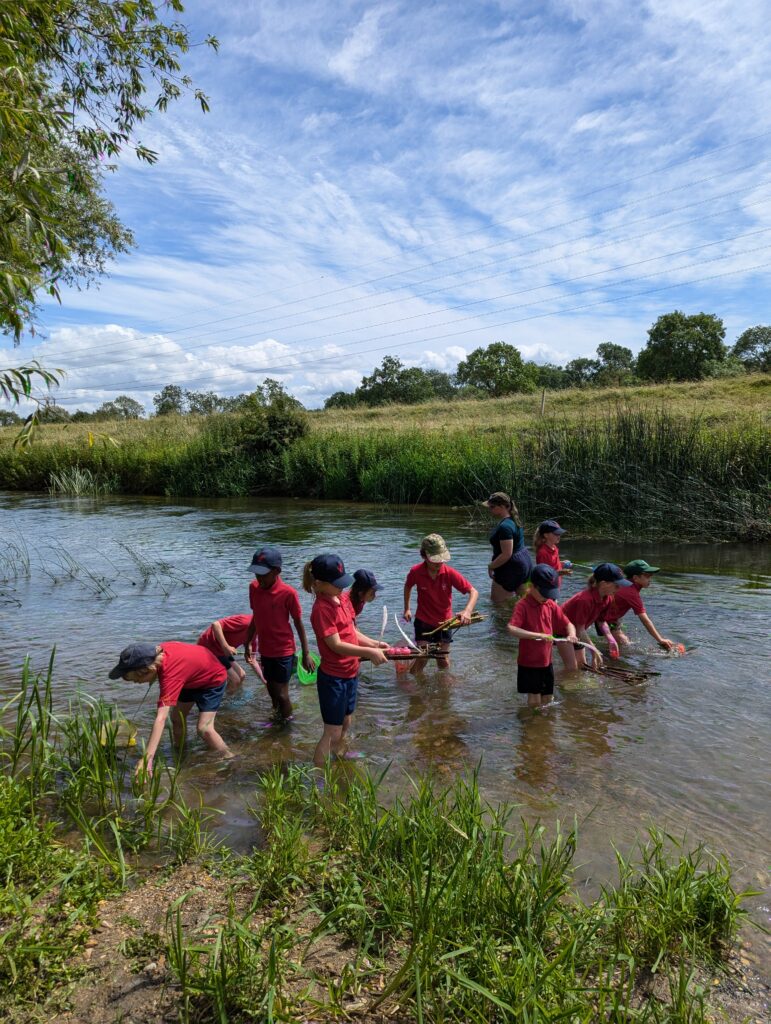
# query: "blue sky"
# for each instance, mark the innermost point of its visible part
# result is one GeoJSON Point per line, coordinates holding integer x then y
{"type": "Point", "coordinates": [423, 178]}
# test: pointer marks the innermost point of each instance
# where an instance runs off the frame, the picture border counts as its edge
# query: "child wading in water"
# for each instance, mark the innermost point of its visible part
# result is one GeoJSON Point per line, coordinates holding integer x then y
{"type": "Point", "coordinates": [640, 574]}
{"type": "Point", "coordinates": [275, 605]}
{"type": "Point", "coordinates": [341, 647]}
{"type": "Point", "coordinates": [546, 546]}
{"type": "Point", "coordinates": [187, 674]}
{"type": "Point", "coordinates": [592, 605]}
{"type": "Point", "coordinates": [223, 638]}
{"type": "Point", "coordinates": [435, 582]}
{"type": "Point", "coordinates": [535, 619]}
{"type": "Point", "coordinates": [363, 591]}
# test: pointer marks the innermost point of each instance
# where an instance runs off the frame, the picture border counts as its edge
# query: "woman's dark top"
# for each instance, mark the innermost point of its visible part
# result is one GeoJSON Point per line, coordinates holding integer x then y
{"type": "Point", "coordinates": [511, 574]}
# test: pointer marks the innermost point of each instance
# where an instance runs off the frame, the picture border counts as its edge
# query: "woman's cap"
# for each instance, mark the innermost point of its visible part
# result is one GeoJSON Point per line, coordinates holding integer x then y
{"type": "Point", "coordinates": [608, 572]}
{"type": "Point", "coordinates": [266, 559]}
{"type": "Point", "coordinates": [330, 569]}
{"type": "Point", "coordinates": [366, 579]}
{"type": "Point", "coordinates": [434, 548]}
{"type": "Point", "coordinates": [133, 657]}
{"type": "Point", "coordinates": [637, 567]}
{"type": "Point", "coordinates": [546, 581]}
{"type": "Point", "coordinates": [551, 526]}
{"type": "Point", "coordinates": [498, 498]}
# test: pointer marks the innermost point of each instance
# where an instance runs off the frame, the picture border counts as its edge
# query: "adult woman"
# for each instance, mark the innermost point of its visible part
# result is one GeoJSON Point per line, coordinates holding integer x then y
{"type": "Point", "coordinates": [511, 563]}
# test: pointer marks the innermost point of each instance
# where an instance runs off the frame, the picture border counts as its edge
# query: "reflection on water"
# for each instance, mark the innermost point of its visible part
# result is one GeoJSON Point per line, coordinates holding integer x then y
{"type": "Point", "coordinates": [687, 750]}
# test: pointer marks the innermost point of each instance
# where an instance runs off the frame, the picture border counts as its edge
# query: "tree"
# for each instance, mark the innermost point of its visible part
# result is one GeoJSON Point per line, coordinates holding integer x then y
{"type": "Point", "coordinates": [17, 383]}
{"type": "Point", "coordinates": [549, 376]}
{"type": "Point", "coordinates": [121, 408]}
{"type": "Point", "coordinates": [496, 370]}
{"type": "Point", "coordinates": [203, 403]}
{"type": "Point", "coordinates": [682, 347]}
{"type": "Point", "coordinates": [170, 401]}
{"type": "Point", "coordinates": [383, 384]}
{"type": "Point", "coordinates": [753, 347]}
{"type": "Point", "coordinates": [341, 400]}
{"type": "Point", "coordinates": [616, 365]}
{"type": "Point", "coordinates": [74, 77]}
{"type": "Point", "coordinates": [582, 372]}
{"type": "Point", "coordinates": [9, 418]}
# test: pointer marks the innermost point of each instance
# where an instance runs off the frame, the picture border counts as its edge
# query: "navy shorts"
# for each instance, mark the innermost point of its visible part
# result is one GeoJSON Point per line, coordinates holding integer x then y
{"type": "Point", "coordinates": [421, 628]}
{"type": "Point", "coordinates": [278, 670]}
{"type": "Point", "coordinates": [206, 698]}
{"type": "Point", "coordinates": [226, 659]}
{"type": "Point", "coordinates": [337, 697]}
{"type": "Point", "coordinates": [512, 574]}
{"type": "Point", "coordinates": [535, 680]}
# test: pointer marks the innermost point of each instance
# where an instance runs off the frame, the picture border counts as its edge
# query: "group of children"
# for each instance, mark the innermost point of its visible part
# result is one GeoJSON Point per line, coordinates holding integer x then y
{"type": "Point", "coordinates": [200, 674]}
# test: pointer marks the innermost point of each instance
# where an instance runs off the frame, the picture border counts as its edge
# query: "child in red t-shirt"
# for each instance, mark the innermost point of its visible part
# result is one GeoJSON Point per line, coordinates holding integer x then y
{"type": "Point", "coordinates": [341, 646]}
{"type": "Point", "coordinates": [187, 674]}
{"type": "Point", "coordinates": [223, 638]}
{"type": "Point", "coordinates": [435, 582]}
{"type": "Point", "coordinates": [592, 605]}
{"type": "Point", "coordinates": [535, 619]}
{"type": "Point", "coordinates": [640, 574]}
{"type": "Point", "coordinates": [275, 606]}
{"type": "Point", "coordinates": [546, 546]}
{"type": "Point", "coordinates": [363, 590]}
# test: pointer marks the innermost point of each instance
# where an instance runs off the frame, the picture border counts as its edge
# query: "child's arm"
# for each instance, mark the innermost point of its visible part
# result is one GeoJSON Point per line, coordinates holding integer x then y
{"type": "Point", "coordinates": [597, 661]}
{"type": "Point", "coordinates": [346, 650]}
{"type": "Point", "coordinates": [226, 648]}
{"type": "Point", "coordinates": [465, 615]}
{"type": "Point", "coordinates": [525, 634]}
{"type": "Point", "coordinates": [156, 735]}
{"type": "Point", "coordinates": [407, 592]}
{"type": "Point", "coordinates": [604, 628]}
{"type": "Point", "coordinates": [251, 634]}
{"type": "Point", "coordinates": [660, 640]}
{"type": "Point", "coordinates": [367, 641]}
{"type": "Point", "coordinates": [303, 638]}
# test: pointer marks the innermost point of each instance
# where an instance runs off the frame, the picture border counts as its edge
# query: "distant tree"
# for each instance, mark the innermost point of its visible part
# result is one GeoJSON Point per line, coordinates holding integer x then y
{"type": "Point", "coordinates": [170, 400]}
{"type": "Point", "coordinates": [582, 372]}
{"type": "Point", "coordinates": [233, 403]}
{"type": "Point", "coordinates": [442, 385]}
{"type": "Point", "coordinates": [341, 400]}
{"type": "Point", "coordinates": [50, 412]}
{"type": "Point", "coordinates": [682, 347]}
{"type": "Point", "coordinates": [8, 418]}
{"type": "Point", "coordinates": [617, 365]}
{"type": "Point", "coordinates": [496, 370]}
{"type": "Point", "coordinates": [383, 384]}
{"type": "Point", "coordinates": [121, 408]}
{"type": "Point", "coordinates": [275, 394]}
{"type": "Point", "coordinates": [753, 348]}
{"type": "Point", "coordinates": [549, 376]}
{"type": "Point", "coordinates": [81, 416]}
{"type": "Point", "coordinates": [203, 403]}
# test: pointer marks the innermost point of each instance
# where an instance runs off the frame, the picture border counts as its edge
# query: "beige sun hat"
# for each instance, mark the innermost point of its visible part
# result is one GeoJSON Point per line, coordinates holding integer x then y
{"type": "Point", "coordinates": [434, 548]}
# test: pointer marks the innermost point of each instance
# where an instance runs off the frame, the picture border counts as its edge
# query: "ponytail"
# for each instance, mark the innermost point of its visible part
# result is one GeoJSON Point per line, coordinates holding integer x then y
{"type": "Point", "coordinates": [591, 583]}
{"type": "Point", "coordinates": [538, 539]}
{"type": "Point", "coordinates": [308, 579]}
{"type": "Point", "coordinates": [514, 513]}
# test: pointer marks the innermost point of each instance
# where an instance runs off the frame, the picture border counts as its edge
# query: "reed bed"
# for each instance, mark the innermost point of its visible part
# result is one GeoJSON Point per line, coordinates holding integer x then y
{"type": "Point", "coordinates": [439, 907]}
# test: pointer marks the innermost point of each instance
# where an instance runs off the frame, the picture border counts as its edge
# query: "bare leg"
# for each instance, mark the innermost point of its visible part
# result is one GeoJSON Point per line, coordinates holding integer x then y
{"type": "Point", "coordinates": [330, 741]}
{"type": "Point", "coordinates": [568, 656]}
{"type": "Point", "coordinates": [444, 662]}
{"type": "Point", "coordinates": [500, 596]}
{"type": "Point", "coordinates": [236, 676]}
{"type": "Point", "coordinates": [209, 734]}
{"type": "Point", "coordinates": [179, 724]}
{"type": "Point", "coordinates": [620, 636]}
{"type": "Point", "coordinates": [279, 695]}
{"type": "Point", "coordinates": [534, 700]}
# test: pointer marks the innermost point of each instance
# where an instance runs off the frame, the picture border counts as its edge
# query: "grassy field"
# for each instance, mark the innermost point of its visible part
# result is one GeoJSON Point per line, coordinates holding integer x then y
{"type": "Point", "coordinates": [433, 907]}
{"type": "Point", "coordinates": [693, 458]}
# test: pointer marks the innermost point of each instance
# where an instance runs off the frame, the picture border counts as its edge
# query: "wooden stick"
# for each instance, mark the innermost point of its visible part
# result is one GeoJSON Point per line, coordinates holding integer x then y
{"type": "Point", "coordinates": [455, 623]}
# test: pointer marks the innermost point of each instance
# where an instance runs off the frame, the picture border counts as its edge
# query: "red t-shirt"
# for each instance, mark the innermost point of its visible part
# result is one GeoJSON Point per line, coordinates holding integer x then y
{"type": "Point", "coordinates": [234, 629]}
{"type": "Point", "coordinates": [624, 599]}
{"type": "Point", "coordinates": [545, 555]}
{"type": "Point", "coordinates": [187, 667]}
{"type": "Point", "coordinates": [328, 617]}
{"type": "Point", "coordinates": [586, 608]}
{"type": "Point", "coordinates": [535, 617]}
{"type": "Point", "coordinates": [435, 595]}
{"type": "Point", "coordinates": [356, 603]}
{"type": "Point", "coordinates": [274, 609]}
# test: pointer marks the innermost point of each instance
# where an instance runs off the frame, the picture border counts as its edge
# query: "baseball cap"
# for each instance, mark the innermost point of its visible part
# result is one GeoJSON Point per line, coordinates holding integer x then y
{"type": "Point", "coordinates": [367, 579]}
{"type": "Point", "coordinates": [330, 569]}
{"type": "Point", "coordinates": [546, 581]}
{"type": "Point", "coordinates": [498, 498]}
{"type": "Point", "coordinates": [551, 526]}
{"type": "Point", "coordinates": [266, 559]}
{"type": "Point", "coordinates": [608, 572]}
{"type": "Point", "coordinates": [434, 548]}
{"type": "Point", "coordinates": [637, 567]}
{"type": "Point", "coordinates": [133, 657]}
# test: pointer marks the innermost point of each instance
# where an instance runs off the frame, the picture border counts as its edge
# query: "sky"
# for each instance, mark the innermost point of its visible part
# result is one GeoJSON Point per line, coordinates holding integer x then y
{"type": "Point", "coordinates": [419, 179]}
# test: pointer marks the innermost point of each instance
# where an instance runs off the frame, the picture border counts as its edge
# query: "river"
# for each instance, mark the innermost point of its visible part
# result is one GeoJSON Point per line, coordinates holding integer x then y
{"type": "Point", "coordinates": [687, 750]}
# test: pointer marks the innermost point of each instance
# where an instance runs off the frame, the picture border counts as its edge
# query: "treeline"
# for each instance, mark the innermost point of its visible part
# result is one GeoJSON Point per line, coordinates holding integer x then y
{"type": "Point", "coordinates": [679, 348]}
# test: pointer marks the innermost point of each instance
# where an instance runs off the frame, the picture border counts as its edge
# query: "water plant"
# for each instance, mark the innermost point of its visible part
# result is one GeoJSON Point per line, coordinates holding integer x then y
{"type": "Point", "coordinates": [80, 481]}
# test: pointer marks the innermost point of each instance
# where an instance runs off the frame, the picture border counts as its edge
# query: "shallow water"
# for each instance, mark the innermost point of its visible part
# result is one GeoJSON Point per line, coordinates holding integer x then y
{"type": "Point", "coordinates": [687, 750]}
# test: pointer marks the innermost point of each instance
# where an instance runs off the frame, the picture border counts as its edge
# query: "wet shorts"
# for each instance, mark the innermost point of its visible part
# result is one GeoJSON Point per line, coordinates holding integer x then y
{"type": "Point", "coordinates": [337, 697]}
{"type": "Point", "coordinates": [278, 670]}
{"type": "Point", "coordinates": [512, 574]}
{"type": "Point", "coordinates": [226, 659]}
{"type": "Point", "coordinates": [421, 628]}
{"type": "Point", "coordinates": [206, 698]}
{"type": "Point", "coordinates": [535, 680]}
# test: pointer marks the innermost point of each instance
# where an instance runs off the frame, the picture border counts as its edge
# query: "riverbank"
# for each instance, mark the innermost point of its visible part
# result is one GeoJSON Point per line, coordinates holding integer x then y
{"type": "Point", "coordinates": [619, 462]}
{"type": "Point", "coordinates": [120, 903]}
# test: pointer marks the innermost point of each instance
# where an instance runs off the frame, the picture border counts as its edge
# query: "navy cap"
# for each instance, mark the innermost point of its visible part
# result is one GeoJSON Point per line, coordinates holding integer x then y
{"type": "Point", "coordinates": [367, 579]}
{"type": "Point", "coordinates": [608, 572]}
{"type": "Point", "coordinates": [134, 657]}
{"type": "Point", "coordinates": [551, 526]}
{"type": "Point", "coordinates": [546, 581]}
{"type": "Point", "coordinates": [330, 569]}
{"type": "Point", "coordinates": [266, 559]}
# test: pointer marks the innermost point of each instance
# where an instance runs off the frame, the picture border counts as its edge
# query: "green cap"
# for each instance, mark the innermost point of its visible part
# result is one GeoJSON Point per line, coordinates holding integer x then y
{"type": "Point", "coordinates": [638, 567]}
{"type": "Point", "coordinates": [434, 548]}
